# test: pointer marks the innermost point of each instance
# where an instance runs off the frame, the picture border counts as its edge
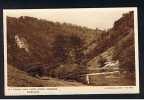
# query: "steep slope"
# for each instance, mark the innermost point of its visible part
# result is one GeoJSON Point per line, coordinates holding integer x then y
{"type": "Point", "coordinates": [121, 28]}
{"type": "Point", "coordinates": [37, 37]}
{"type": "Point", "coordinates": [122, 50]}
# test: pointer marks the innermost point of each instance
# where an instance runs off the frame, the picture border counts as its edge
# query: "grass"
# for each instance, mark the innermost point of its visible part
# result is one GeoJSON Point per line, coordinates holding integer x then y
{"type": "Point", "coordinates": [18, 78]}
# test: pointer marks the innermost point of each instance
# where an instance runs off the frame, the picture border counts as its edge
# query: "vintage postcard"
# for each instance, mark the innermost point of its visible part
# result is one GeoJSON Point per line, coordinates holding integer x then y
{"type": "Point", "coordinates": [71, 51]}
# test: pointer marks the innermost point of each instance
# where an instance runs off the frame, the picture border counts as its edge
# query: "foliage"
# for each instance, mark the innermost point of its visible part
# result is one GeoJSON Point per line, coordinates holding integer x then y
{"type": "Point", "coordinates": [63, 44]}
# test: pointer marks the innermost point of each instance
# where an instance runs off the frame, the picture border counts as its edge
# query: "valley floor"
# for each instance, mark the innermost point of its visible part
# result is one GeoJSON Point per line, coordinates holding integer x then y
{"type": "Point", "coordinates": [18, 78]}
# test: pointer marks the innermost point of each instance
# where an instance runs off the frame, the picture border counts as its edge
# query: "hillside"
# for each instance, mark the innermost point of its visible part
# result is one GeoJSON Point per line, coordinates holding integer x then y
{"type": "Point", "coordinates": [22, 79]}
{"type": "Point", "coordinates": [38, 36]}
{"type": "Point", "coordinates": [67, 51]}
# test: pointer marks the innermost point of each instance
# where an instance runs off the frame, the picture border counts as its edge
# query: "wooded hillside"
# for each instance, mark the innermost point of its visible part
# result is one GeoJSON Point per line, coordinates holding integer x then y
{"type": "Point", "coordinates": [67, 51]}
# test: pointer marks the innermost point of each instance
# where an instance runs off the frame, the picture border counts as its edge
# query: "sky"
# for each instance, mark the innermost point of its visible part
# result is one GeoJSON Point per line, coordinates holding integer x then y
{"type": "Point", "coordinates": [102, 18]}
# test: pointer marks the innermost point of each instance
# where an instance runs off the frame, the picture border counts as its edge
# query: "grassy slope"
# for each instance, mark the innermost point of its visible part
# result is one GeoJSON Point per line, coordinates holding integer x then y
{"type": "Point", "coordinates": [19, 78]}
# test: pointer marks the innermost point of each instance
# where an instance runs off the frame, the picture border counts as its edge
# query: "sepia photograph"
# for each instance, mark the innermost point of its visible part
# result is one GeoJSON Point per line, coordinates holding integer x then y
{"type": "Point", "coordinates": [71, 51]}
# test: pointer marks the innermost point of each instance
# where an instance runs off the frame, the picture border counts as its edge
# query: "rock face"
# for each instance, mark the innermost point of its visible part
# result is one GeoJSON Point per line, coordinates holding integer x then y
{"type": "Point", "coordinates": [21, 43]}
{"type": "Point", "coordinates": [124, 49]}
{"type": "Point", "coordinates": [125, 24]}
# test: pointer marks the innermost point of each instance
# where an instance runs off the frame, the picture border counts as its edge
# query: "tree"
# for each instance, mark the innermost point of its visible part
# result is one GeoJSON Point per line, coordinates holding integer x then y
{"type": "Point", "coordinates": [67, 49]}
{"type": "Point", "coordinates": [67, 52]}
{"type": "Point", "coordinates": [59, 51]}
